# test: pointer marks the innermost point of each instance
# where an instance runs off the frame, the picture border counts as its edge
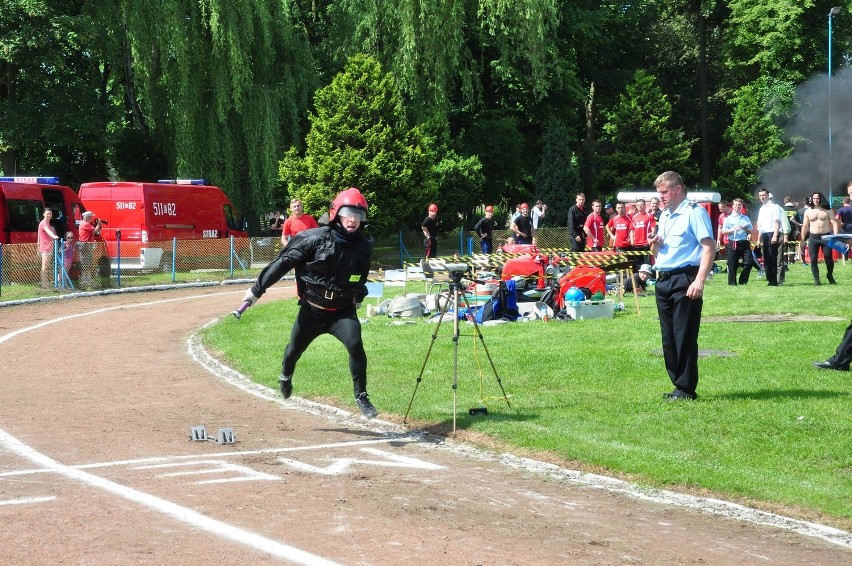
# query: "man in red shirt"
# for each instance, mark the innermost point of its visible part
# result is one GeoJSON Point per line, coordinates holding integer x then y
{"type": "Point", "coordinates": [724, 211]}
{"type": "Point", "coordinates": [87, 235]}
{"type": "Point", "coordinates": [296, 222]}
{"type": "Point", "coordinates": [642, 226]}
{"type": "Point", "coordinates": [594, 228]}
{"type": "Point", "coordinates": [619, 229]}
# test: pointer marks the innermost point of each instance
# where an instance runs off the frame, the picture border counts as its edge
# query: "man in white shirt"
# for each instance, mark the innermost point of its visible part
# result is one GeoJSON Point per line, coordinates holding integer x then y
{"type": "Point", "coordinates": [769, 228]}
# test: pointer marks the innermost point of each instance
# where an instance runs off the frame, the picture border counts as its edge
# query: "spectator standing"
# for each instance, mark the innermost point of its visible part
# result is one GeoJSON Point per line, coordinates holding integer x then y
{"type": "Point", "coordinates": [88, 234]}
{"type": "Point", "coordinates": [523, 226]}
{"type": "Point", "coordinates": [297, 222]}
{"type": "Point", "coordinates": [608, 212]}
{"type": "Point", "coordinates": [819, 222]}
{"type": "Point", "coordinates": [842, 356]}
{"type": "Point", "coordinates": [843, 217]}
{"type": "Point", "coordinates": [430, 231]}
{"type": "Point", "coordinates": [276, 223]}
{"type": "Point", "coordinates": [576, 220]}
{"type": "Point", "coordinates": [654, 209]}
{"type": "Point", "coordinates": [784, 236]}
{"type": "Point", "coordinates": [684, 249]}
{"type": "Point", "coordinates": [737, 231]}
{"type": "Point", "coordinates": [594, 227]}
{"type": "Point", "coordinates": [334, 262]}
{"type": "Point", "coordinates": [721, 237]}
{"type": "Point", "coordinates": [641, 229]}
{"type": "Point", "coordinates": [46, 237]}
{"type": "Point", "coordinates": [618, 228]}
{"type": "Point", "coordinates": [769, 228]}
{"type": "Point", "coordinates": [68, 252]}
{"type": "Point", "coordinates": [538, 212]}
{"type": "Point", "coordinates": [485, 230]}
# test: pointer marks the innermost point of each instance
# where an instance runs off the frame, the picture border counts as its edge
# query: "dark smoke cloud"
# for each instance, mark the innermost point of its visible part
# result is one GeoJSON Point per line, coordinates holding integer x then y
{"type": "Point", "coordinates": [807, 168]}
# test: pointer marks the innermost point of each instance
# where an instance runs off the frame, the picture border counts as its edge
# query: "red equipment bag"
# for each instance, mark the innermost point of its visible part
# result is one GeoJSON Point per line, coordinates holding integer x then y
{"type": "Point", "coordinates": [592, 278]}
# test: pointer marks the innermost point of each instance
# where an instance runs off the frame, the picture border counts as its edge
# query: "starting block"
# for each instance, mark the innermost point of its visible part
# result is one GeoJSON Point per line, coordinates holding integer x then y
{"type": "Point", "coordinates": [199, 434]}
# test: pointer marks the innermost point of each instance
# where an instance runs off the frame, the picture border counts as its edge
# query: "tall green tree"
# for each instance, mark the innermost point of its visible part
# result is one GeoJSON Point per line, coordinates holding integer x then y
{"type": "Point", "coordinates": [558, 176]}
{"type": "Point", "coordinates": [755, 136]}
{"type": "Point", "coordinates": [53, 93]}
{"type": "Point", "coordinates": [223, 84]}
{"type": "Point", "coordinates": [640, 139]}
{"type": "Point", "coordinates": [359, 137]}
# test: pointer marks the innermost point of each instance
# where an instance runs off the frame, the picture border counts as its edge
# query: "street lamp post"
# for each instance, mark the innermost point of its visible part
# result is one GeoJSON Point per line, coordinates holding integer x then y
{"type": "Point", "coordinates": [834, 11]}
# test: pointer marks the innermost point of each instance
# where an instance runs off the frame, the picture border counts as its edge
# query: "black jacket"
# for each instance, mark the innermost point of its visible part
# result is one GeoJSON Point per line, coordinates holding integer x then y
{"type": "Point", "coordinates": [331, 266]}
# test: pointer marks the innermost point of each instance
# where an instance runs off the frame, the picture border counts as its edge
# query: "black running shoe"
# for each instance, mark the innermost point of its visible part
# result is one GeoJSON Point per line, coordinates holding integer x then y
{"type": "Point", "coordinates": [286, 384]}
{"type": "Point", "coordinates": [364, 404]}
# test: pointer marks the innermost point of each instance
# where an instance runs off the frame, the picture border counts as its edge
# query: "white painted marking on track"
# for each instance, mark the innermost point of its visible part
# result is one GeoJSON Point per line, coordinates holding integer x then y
{"type": "Point", "coordinates": [342, 465]}
{"type": "Point", "coordinates": [173, 510]}
{"type": "Point", "coordinates": [178, 512]}
{"type": "Point", "coordinates": [27, 500]}
{"type": "Point", "coordinates": [239, 473]}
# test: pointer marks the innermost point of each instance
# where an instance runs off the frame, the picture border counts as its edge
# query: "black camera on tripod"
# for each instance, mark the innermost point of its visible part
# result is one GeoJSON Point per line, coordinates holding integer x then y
{"type": "Point", "coordinates": [457, 271]}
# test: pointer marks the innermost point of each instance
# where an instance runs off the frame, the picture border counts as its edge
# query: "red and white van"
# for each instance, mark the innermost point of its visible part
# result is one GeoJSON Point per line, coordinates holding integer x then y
{"type": "Point", "coordinates": [146, 213]}
{"type": "Point", "coordinates": [22, 204]}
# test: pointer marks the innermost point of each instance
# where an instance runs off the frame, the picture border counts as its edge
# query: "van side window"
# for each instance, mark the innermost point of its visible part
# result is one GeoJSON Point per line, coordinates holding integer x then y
{"type": "Point", "coordinates": [24, 215]}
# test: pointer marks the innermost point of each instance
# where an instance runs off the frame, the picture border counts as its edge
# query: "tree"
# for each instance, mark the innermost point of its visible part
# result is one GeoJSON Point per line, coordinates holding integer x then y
{"type": "Point", "coordinates": [558, 177]}
{"type": "Point", "coordinates": [753, 137]}
{"type": "Point", "coordinates": [640, 141]}
{"type": "Point", "coordinates": [222, 84]}
{"type": "Point", "coordinates": [359, 137]}
{"type": "Point", "coordinates": [53, 107]}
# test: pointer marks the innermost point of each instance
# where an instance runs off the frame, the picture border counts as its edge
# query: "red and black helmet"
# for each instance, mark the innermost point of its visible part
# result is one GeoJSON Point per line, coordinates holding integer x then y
{"type": "Point", "coordinates": [351, 197]}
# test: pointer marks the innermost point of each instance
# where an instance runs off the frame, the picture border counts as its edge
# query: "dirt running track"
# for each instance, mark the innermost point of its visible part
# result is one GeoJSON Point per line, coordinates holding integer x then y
{"type": "Point", "coordinates": [96, 467]}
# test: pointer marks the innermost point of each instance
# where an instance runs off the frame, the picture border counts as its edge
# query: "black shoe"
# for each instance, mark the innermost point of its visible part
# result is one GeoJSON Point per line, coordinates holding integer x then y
{"type": "Point", "coordinates": [817, 282]}
{"type": "Point", "coordinates": [678, 395]}
{"type": "Point", "coordinates": [831, 280]}
{"type": "Point", "coordinates": [829, 365]}
{"type": "Point", "coordinates": [364, 404]}
{"type": "Point", "coordinates": [286, 384]}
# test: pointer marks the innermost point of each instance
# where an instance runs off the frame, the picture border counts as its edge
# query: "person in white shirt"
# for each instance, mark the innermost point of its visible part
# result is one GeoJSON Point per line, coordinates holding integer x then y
{"type": "Point", "coordinates": [769, 228]}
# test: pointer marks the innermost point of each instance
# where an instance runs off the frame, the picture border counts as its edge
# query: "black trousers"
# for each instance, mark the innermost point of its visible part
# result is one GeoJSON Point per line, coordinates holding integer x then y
{"type": "Point", "coordinates": [680, 318]}
{"type": "Point", "coordinates": [815, 242]}
{"type": "Point", "coordinates": [343, 324]}
{"type": "Point", "coordinates": [640, 259]}
{"type": "Point", "coordinates": [843, 356]}
{"type": "Point", "coordinates": [770, 256]}
{"type": "Point", "coordinates": [738, 254]}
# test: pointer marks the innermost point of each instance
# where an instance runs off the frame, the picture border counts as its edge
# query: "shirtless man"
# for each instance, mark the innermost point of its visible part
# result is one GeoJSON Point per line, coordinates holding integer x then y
{"type": "Point", "coordinates": [818, 222]}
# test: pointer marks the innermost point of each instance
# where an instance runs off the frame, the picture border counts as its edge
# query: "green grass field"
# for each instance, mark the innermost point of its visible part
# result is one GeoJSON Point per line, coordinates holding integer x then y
{"type": "Point", "coordinates": [768, 430]}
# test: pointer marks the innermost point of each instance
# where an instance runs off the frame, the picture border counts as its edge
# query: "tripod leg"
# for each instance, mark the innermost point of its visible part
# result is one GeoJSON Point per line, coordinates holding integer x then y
{"type": "Point", "coordinates": [456, 348]}
{"type": "Point", "coordinates": [487, 354]}
{"type": "Point", "coordinates": [426, 359]}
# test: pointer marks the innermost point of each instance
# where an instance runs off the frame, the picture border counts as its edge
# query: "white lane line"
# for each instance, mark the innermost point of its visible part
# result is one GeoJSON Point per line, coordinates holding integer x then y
{"type": "Point", "coordinates": [15, 333]}
{"type": "Point", "coordinates": [178, 512]}
{"type": "Point", "coordinates": [26, 500]}
{"type": "Point", "coordinates": [168, 508]}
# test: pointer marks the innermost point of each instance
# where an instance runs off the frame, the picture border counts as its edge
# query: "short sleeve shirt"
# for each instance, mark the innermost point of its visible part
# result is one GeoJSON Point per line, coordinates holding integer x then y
{"type": "Point", "coordinates": [682, 231]}
{"type": "Point", "coordinates": [293, 225]}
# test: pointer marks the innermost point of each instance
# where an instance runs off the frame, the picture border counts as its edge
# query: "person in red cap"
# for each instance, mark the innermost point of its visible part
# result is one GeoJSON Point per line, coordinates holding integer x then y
{"type": "Point", "coordinates": [331, 263]}
{"type": "Point", "coordinates": [485, 230]}
{"type": "Point", "coordinates": [430, 231]}
{"type": "Point", "coordinates": [523, 226]}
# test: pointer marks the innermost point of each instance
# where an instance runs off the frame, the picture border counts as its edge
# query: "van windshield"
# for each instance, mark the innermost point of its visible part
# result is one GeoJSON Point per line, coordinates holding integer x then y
{"type": "Point", "coordinates": [24, 215]}
{"type": "Point", "coordinates": [231, 219]}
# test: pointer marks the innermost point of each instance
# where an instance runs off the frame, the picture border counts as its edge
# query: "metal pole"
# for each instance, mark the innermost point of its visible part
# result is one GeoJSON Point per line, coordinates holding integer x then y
{"type": "Point", "coordinates": [833, 12]}
{"type": "Point", "coordinates": [830, 180]}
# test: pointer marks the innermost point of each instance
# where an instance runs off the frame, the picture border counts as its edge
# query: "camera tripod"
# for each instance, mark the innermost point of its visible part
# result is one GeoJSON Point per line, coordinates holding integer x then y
{"type": "Point", "coordinates": [458, 297]}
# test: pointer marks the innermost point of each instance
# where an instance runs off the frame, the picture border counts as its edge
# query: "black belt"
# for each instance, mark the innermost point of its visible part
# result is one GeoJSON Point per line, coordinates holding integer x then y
{"type": "Point", "coordinates": [689, 270]}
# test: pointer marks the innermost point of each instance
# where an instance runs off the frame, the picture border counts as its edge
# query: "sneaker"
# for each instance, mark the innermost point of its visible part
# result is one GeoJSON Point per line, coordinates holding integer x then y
{"type": "Point", "coordinates": [286, 384]}
{"type": "Point", "coordinates": [364, 404]}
